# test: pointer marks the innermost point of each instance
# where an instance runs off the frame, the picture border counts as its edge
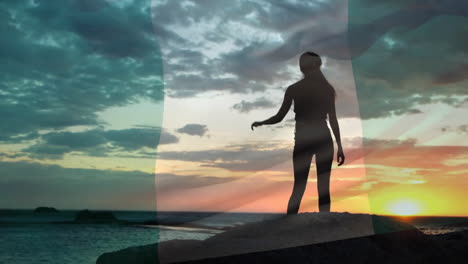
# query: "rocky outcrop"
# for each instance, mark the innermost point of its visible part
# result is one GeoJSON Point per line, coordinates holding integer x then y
{"type": "Point", "coordinates": [306, 238]}
{"type": "Point", "coordinates": [45, 210]}
{"type": "Point", "coordinates": [95, 217]}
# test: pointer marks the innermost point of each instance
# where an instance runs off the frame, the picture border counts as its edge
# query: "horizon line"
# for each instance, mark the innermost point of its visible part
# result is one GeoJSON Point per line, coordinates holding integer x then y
{"type": "Point", "coordinates": [221, 212]}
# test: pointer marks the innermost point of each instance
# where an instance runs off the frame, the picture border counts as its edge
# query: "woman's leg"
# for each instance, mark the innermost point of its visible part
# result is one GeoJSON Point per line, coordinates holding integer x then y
{"type": "Point", "coordinates": [323, 160]}
{"type": "Point", "coordinates": [301, 163]}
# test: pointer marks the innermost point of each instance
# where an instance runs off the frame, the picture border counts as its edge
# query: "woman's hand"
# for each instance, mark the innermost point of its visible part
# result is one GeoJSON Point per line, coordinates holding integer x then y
{"type": "Point", "coordinates": [340, 157]}
{"type": "Point", "coordinates": [255, 124]}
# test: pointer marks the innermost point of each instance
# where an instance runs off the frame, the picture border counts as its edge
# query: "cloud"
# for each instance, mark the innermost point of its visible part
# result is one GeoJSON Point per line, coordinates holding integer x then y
{"type": "Point", "coordinates": [136, 138]}
{"type": "Point", "coordinates": [259, 103]}
{"type": "Point", "coordinates": [462, 129]}
{"type": "Point", "coordinates": [211, 57]}
{"type": "Point", "coordinates": [363, 34]}
{"type": "Point", "coordinates": [28, 184]}
{"type": "Point", "coordinates": [460, 73]}
{"type": "Point", "coordinates": [168, 181]}
{"type": "Point", "coordinates": [242, 157]}
{"type": "Point", "coordinates": [98, 142]}
{"type": "Point", "coordinates": [193, 130]}
{"type": "Point", "coordinates": [64, 61]}
{"type": "Point", "coordinates": [404, 53]}
{"type": "Point", "coordinates": [59, 71]}
{"type": "Point", "coordinates": [257, 156]}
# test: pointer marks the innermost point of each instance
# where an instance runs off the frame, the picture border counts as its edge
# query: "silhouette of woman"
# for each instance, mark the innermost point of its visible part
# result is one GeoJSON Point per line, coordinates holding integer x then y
{"type": "Point", "coordinates": [314, 99]}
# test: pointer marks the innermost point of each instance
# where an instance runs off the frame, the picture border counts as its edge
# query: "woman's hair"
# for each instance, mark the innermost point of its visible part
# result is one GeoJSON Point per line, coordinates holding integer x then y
{"type": "Point", "coordinates": [310, 62]}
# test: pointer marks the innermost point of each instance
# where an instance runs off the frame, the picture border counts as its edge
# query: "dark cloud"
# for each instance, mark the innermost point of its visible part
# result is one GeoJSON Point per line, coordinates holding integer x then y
{"type": "Point", "coordinates": [388, 143]}
{"type": "Point", "coordinates": [21, 138]}
{"type": "Point", "coordinates": [105, 27]}
{"type": "Point", "coordinates": [172, 181]}
{"type": "Point", "coordinates": [98, 142]}
{"type": "Point", "coordinates": [190, 85]}
{"type": "Point", "coordinates": [405, 55]}
{"type": "Point", "coordinates": [136, 138]}
{"type": "Point", "coordinates": [28, 185]}
{"type": "Point", "coordinates": [64, 61]}
{"type": "Point", "coordinates": [402, 51]}
{"type": "Point", "coordinates": [12, 156]}
{"type": "Point", "coordinates": [248, 65]}
{"type": "Point", "coordinates": [244, 157]}
{"type": "Point", "coordinates": [358, 142]}
{"type": "Point", "coordinates": [462, 129]}
{"type": "Point", "coordinates": [259, 103]}
{"type": "Point", "coordinates": [362, 35]}
{"type": "Point", "coordinates": [96, 28]}
{"type": "Point", "coordinates": [261, 156]}
{"type": "Point", "coordinates": [283, 16]}
{"type": "Point", "coordinates": [193, 129]}
{"type": "Point", "coordinates": [167, 138]}
{"type": "Point", "coordinates": [75, 140]}
{"type": "Point", "coordinates": [459, 73]}
{"type": "Point", "coordinates": [240, 69]}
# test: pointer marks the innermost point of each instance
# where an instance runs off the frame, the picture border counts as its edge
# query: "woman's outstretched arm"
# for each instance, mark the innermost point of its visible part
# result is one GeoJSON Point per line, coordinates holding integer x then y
{"type": "Point", "coordinates": [287, 101]}
{"type": "Point", "coordinates": [336, 131]}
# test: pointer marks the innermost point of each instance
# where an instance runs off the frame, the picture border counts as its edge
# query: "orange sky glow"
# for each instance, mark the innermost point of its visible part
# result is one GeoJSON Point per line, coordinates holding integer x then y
{"type": "Point", "coordinates": [392, 180]}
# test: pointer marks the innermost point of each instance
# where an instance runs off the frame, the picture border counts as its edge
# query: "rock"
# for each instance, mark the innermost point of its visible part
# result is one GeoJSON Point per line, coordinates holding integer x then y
{"type": "Point", "coordinates": [460, 224]}
{"type": "Point", "coordinates": [454, 243]}
{"type": "Point", "coordinates": [45, 210]}
{"type": "Point", "coordinates": [304, 238]}
{"type": "Point", "coordinates": [97, 217]}
{"type": "Point", "coordinates": [406, 247]}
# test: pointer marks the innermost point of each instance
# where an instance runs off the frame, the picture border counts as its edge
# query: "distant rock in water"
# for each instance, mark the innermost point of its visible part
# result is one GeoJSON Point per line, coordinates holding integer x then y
{"type": "Point", "coordinates": [95, 217]}
{"type": "Point", "coordinates": [306, 238]}
{"type": "Point", "coordinates": [45, 210]}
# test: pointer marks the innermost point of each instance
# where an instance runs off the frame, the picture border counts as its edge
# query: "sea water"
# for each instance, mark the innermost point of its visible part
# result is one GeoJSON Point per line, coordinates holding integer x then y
{"type": "Point", "coordinates": [27, 237]}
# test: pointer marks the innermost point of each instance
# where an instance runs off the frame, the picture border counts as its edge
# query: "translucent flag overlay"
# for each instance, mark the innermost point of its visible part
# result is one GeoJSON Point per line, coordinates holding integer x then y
{"type": "Point", "coordinates": [397, 68]}
{"type": "Point", "coordinates": [81, 108]}
{"type": "Point", "coordinates": [226, 65]}
{"type": "Point", "coordinates": [410, 71]}
{"type": "Point", "coordinates": [165, 130]}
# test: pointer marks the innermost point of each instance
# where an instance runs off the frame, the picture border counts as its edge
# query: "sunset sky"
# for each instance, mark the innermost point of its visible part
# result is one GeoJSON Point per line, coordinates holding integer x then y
{"type": "Point", "coordinates": [144, 105]}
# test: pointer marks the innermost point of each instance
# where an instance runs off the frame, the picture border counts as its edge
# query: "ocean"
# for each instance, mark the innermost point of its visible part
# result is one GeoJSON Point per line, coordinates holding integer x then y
{"type": "Point", "coordinates": [27, 237]}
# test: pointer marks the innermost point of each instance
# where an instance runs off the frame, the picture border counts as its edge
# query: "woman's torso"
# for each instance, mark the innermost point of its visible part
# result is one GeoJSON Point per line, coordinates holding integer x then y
{"type": "Point", "coordinates": [312, 98]}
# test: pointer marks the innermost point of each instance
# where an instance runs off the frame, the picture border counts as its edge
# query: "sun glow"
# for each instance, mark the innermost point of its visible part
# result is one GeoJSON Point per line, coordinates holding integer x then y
{"type": "Point", "coordinates": [415, 199]}
{"type": "Point", "coordinates": [405, 207]}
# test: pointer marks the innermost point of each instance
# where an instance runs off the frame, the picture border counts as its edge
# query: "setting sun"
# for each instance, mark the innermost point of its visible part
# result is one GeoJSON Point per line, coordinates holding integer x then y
{"type": "Point", "coordinates": [414, 200]}
{"type": "Point", "coordinates": [405, 207]}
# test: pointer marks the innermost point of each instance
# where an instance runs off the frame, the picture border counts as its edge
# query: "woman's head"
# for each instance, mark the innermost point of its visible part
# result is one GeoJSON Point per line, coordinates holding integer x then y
{"type": "Point", "coordinates": [309, 62]}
